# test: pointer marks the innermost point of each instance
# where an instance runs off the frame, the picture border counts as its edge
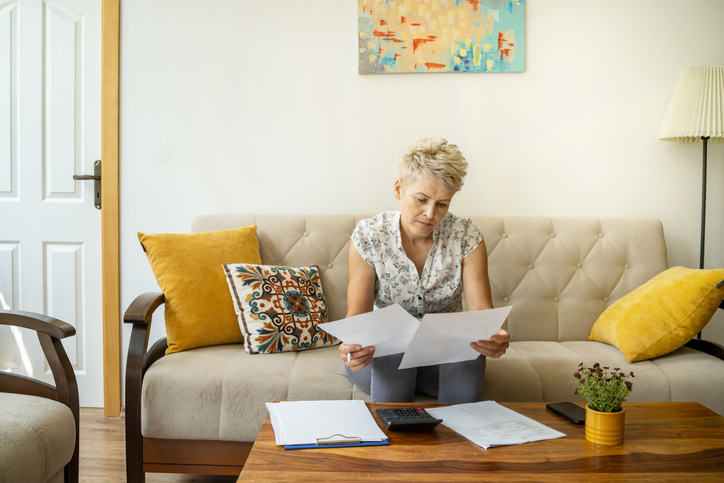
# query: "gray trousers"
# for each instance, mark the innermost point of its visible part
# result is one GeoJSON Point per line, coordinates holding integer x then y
{"type": "Point", "coordinates": [457, 382]}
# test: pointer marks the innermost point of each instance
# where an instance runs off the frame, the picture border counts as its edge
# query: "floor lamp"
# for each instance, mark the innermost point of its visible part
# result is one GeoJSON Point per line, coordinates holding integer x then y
{"type": "Point", "coordinates": [696, 113]}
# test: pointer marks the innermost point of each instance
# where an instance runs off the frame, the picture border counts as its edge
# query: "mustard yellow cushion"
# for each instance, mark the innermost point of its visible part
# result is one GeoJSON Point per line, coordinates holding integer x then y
{"type": "Point", "coordinates": [188, 268]}
{"type": "Point", "coordinates": [661, 315]}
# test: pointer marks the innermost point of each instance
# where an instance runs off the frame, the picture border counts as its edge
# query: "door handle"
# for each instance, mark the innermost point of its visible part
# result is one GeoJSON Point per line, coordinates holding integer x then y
{"type": "Point", "coordinates": [96, 177]}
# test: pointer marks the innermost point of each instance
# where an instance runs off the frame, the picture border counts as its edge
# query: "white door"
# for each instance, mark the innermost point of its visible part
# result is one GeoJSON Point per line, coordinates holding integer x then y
{"type": "Point", "coordinates": [50, 231]}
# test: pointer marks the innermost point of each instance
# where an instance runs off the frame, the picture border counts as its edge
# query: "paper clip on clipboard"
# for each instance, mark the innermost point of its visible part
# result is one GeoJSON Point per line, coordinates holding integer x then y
{"type": "Point", "coordinates": [338, 439]}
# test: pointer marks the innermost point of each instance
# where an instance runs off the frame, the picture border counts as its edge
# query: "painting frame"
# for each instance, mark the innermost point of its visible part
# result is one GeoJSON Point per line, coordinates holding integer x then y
{"type": "Point", "coordinates": [425, 36]}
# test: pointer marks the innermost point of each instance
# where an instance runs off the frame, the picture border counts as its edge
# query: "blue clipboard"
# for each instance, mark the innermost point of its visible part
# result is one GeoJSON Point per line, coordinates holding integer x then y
{"type": "Point", "coordinates": [337, 441]}
{"type": "Point", "coordinates": [339, 445]}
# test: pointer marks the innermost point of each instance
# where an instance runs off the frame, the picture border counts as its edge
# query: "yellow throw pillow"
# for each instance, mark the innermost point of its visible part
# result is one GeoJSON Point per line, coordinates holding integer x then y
{"type": "Point", "coordinates": [188, 268]}
{"type": "Point", "coordinates": [661, 315]}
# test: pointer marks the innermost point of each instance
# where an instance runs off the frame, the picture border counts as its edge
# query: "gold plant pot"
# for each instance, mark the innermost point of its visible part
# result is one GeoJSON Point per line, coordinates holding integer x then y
{"type": "Point", "coordinates": [605, 428]}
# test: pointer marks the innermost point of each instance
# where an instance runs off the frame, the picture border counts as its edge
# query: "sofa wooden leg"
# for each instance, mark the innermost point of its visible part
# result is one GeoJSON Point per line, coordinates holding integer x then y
{"type": "Point", "coordinates": [134, 462]}
{"type": "Point", "coordinates": [134, 449]}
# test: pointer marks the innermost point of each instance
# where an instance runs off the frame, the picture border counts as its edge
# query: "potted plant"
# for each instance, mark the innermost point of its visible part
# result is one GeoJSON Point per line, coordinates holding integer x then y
{"type": "Point", "coordinates": [604, 392]}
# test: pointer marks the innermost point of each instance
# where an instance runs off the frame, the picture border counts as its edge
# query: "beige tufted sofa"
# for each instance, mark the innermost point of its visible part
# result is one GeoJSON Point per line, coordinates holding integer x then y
{"type": "Point", "coordinates": [200, 410]}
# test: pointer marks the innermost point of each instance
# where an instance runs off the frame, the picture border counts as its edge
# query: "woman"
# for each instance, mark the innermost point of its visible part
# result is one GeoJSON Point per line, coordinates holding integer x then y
{"type": "Point", "coordinates": [421, 257]}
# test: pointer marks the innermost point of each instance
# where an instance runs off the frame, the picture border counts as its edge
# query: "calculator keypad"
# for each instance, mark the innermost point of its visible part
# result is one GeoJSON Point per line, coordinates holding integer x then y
{"type": "Point", "coordinates": [407, 418]}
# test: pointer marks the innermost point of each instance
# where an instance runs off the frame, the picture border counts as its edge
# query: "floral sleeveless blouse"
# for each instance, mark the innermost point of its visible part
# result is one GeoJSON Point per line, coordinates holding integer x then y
{"type": "Point", "coordinates": [440, 287]}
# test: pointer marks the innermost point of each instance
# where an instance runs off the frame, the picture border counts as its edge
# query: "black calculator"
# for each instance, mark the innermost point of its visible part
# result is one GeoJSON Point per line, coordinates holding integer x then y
{"type": "Point", "coordinates": [407, 418]}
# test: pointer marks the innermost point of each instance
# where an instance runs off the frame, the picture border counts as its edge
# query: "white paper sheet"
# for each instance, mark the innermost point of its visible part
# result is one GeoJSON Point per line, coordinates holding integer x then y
{"type": "Point", "coordinates": [445, 338]}
{"type": "Point", "coordinates": [304, 422]}
{"type": "Point", "coordinates": [389, 330]}
{"type": "Point", "coordinates": [489, 424]}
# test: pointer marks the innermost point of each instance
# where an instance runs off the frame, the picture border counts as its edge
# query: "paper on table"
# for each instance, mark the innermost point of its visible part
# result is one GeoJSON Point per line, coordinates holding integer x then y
{"type": "Point", "coordinates": [304, 422]}
{"type": "Point", "coordinates": [389, 329]}
{"type": "Point", "coordinates": [489, 424]}
{"type": "Point", "coordinates": [445, 338]}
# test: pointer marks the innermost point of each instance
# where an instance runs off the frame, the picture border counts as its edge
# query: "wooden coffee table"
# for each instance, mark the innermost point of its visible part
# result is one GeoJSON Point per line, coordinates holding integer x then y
{"type": "Point", "coordinates": [663, 442]}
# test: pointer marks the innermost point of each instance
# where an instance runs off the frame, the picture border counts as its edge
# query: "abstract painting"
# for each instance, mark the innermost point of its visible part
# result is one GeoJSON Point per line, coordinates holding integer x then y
{"type": "Point", "coordinates": [398, 36]}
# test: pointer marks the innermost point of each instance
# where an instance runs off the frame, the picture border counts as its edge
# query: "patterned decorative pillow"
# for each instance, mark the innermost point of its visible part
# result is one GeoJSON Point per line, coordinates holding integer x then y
{"type": "Point", "coordinates": [279, 308]}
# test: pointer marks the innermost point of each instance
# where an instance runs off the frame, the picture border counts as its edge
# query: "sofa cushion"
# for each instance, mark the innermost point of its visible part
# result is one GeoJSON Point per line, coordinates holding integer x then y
{"type": "Point", "coordinates": [182, 399]}
{"type": "Point", "coordinates": [37, 437]}
{"type": "Point", "coordinates": [188, 270]}
{"type": "Point", "coordinates": [279, 308]}
{"type": "Point", "coordinates": [661, 315]}
{"type": "Point", "coordinates": [543, 371]}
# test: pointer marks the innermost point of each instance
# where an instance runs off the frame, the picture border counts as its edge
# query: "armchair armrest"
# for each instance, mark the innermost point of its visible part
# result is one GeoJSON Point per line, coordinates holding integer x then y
{"type": "Point", "coordinates": [43, 324]}
{"type": "Point", "coordinates": [50, 331]}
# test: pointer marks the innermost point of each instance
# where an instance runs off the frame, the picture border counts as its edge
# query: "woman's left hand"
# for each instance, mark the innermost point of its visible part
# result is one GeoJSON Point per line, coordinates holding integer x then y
{"type": "Point", "coordinates": [495, 347]}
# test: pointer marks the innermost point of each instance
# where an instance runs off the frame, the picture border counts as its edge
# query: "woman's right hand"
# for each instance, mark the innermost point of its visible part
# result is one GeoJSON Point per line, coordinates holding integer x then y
{"type": "Point", "coordinates": [359, 356]}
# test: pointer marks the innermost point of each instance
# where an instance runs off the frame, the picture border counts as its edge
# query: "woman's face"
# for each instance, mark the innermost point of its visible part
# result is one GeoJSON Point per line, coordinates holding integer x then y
{"type": "Point", "coordinates": [422, 205]}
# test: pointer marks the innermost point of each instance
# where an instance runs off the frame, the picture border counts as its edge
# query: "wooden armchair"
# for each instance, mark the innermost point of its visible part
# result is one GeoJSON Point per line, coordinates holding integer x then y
{"type": "Point", "coordinates": [50, 332]}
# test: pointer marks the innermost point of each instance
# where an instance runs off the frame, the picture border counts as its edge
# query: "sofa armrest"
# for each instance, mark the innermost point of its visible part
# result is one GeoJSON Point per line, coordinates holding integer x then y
{"type": "Point", "coordinates": [140, 314]}
{"type": "Point", "coordinates": [50, 332]}
{"type": "Point", "coordinates": [708, 347]}
{"type": "Point", "coordinates": [142, 308]}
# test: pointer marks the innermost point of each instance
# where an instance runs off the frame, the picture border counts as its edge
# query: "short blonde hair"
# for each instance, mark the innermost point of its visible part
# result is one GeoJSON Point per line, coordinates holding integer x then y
{"type": "Point", "coordinates": [434, 158]}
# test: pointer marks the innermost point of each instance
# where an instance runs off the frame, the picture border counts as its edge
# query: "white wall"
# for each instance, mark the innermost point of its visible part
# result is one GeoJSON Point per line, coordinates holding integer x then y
{"type": "Point", "coordinates": [256, 106]}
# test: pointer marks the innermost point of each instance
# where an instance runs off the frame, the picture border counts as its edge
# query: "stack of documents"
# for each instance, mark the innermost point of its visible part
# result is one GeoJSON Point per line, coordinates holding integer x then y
{"type": "Point", "coordinates": [324, 424]}
{"type": "Point", "coordinates": [446, 338]}
{"type": "Point", "coordinates": [438, 339]}
{"type": "Point", "coordinates": [489, 424]}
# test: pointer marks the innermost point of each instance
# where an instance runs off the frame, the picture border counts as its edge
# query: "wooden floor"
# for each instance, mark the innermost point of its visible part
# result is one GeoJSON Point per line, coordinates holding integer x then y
{"type": "Point", "coordinates": [103, 453]}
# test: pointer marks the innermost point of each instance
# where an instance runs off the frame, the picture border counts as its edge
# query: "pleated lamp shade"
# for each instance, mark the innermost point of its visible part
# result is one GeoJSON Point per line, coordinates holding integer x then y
{"type": "Point", "coordinates": [697, 107]}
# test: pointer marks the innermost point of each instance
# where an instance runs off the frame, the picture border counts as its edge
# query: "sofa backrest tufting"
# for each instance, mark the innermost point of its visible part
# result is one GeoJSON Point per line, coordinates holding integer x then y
{"type": "Point", "coordinates": [559, 274]}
